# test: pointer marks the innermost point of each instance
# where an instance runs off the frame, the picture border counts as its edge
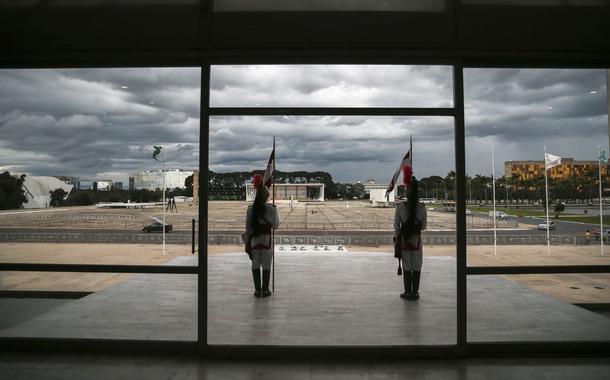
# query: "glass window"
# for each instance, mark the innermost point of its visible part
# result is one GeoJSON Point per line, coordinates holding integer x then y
{"type": "Point", "coordinates": [538, 308]}
{"type": "Point", "coordinates": [331, 86]}
{"type": "Point", "coordinates": [522, 113]}
{"type": "Point", "coordinates": [98, 306]}
{"type": "Point", "coordinates": [335, 275]}
{"type": "Point", "coordinates": [79, 144]}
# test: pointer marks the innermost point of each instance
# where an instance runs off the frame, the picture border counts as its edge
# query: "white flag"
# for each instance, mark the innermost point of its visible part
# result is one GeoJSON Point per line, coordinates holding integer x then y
{"type": "Point", "coordinates": [550, 161]}
{"type": "Point", "coordinates": [406, 166]}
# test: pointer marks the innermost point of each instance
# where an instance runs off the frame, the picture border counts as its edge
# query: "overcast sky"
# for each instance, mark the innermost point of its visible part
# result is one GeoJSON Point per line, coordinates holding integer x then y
{"type": "Point", "coordinates": [102, 123]}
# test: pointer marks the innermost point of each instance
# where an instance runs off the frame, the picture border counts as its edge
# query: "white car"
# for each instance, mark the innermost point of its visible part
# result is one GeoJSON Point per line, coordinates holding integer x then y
{"type": "Point", "coordinates": [499, 214]}
{"type": "Point", "coordinates": [543, 226]}
{"type": "Point", "coordinates": [468, 212]}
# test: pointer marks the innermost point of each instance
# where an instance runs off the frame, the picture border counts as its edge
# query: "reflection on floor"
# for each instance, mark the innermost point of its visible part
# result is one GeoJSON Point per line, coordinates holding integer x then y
{"type": "Point", "coordinates": [331, 299]}
{"type": "Point", "coordinates": [96, 366]}
{"type": "Point", "coordinates": [321, 298]}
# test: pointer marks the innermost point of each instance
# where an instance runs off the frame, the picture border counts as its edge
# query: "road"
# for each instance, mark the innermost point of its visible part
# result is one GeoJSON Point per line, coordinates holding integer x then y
{"type": "Point", "coordinates": [562, 227]}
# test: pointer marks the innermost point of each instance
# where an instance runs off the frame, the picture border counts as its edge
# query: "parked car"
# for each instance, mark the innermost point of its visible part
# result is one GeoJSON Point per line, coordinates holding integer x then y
{"type": "Point", "coordinates": [606, 234]}
{"type": "Point", "coordinates": [499, 214]}
{"type": "Point", "coordinates": [156, 227]}
{"type": "Point", "coordinates": [468, 212]}
{"type": "Point", "coordinates": [543, 226]}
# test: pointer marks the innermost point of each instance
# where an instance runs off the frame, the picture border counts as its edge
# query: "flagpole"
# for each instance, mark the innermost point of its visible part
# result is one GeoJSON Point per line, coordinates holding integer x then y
{"type": "Point", "coordinates": [163, 174]}
{"type": "Point", "coordinates": [273, 230]}
{"type": "Point", "coordinates": [546, 190]}
{"type": "Point", "coordinates": [411, 155]}
{"type": "Point", "coordinates": [601, 215]}
{"type": "Point", "coordinates": [493, 186]}
{"type": "Point", "coordinates": [411, 150]}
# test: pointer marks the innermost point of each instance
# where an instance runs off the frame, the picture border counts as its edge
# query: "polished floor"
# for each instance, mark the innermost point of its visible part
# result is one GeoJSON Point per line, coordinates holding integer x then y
{"type": "Point", "coordinates": [97, 366]}
{"type": "Point", "coordinates": [321, 298]}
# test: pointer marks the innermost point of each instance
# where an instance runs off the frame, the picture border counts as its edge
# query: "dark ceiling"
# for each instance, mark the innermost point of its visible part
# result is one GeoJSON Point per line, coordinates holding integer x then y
{"type": "Point", "coordinates": [183, 32]}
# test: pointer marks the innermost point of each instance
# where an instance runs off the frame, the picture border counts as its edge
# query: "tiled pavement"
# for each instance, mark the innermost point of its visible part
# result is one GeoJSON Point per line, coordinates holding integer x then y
{"type": "Point", "coordinates": [320, 299]}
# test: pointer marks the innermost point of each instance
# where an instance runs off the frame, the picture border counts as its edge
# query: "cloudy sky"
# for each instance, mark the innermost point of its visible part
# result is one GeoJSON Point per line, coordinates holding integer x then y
{"type": "Point", "coordinates": [102, 123]}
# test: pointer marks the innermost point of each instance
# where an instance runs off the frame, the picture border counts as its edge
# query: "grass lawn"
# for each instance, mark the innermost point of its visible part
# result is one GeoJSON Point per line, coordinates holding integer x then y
{"type": "Point", "coordinates": [584, 219]}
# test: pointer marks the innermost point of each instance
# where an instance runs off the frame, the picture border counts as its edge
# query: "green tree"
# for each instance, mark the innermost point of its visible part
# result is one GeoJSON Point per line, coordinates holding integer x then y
{"type": "Point", "coordinates": [559, 207]}
{"type": "Point", "coordinates": [81, 198]}
{"type": "Point", "coordinates": [57, 197]}
{"type": "Point", "coordinates": [188, 183]}
{"type": "Point", "coordinates": [12, 194]}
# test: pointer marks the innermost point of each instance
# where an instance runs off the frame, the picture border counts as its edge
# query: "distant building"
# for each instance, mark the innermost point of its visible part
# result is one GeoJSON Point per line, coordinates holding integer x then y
{"type": "Point", "coordinates": [117, 185]}
{"type": "Point", "coordinates": [313, 192]}
{"type": "Point", "coordinates": [132, 184]}
{"type": "Point", "coordinates": [376, 192]}
{"type": "Point", "coordinates": [104, 185]}
{"type": "Point", "coordinates": [87, 184]}
{"type": "Point", "coordinates": [569, 168]}
{"type": "Point", "coordinates": [152, 180]}
{"type": "Point", "coordinates": [37, 190]}
{"type": "Point", "coordinates": [70, 180]}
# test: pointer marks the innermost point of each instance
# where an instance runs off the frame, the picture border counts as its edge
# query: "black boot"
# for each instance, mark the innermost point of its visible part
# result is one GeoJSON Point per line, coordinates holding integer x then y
{"type": "Point", "coordinates": [256, 274]}
{"type": "Point", "coordinates": [406, 280]}
{"type": "Point", "coordinates": [266, 276]}
{"type": "Point", "coordinates": [416, 278]}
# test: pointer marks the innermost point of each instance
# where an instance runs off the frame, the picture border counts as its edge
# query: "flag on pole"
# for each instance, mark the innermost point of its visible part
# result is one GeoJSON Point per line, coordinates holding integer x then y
{"type": "Point", "coordinates": [268, 177]}
{"type": "Point", "coordinates": [406, 166]}
{"type": "Point", "coordinates": [156, 152]}
{"type": "Point", "coordinates": [550, 161]}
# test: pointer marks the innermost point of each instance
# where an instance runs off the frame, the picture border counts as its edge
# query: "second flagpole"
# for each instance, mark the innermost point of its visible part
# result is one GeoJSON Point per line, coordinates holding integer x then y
{"type": "Point", "coordinates": [493, 186]}
{"type": "Point", "coordinates": [273, 230]}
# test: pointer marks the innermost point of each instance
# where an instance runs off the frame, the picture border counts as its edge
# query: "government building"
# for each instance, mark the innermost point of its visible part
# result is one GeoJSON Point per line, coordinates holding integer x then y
{"type": "Point", "coordinates": [569, 167]}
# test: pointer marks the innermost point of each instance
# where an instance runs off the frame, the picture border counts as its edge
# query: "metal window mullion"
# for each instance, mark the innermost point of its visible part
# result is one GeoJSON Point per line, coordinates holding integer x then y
{"type": "Point", "coordinates": [329, 111]}
{"type": "Point", "coordinates": [538, 269]}
{"type": "Point", "coordinates": [460, 187]}
{"type": "Point", "coordinates": [202, 278]}
{"type": "Point", "coordinates": [98, 268]}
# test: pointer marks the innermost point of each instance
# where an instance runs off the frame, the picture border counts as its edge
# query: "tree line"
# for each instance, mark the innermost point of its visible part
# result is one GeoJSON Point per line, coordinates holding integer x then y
{"type": "Point", "coordinates": [232, 185]}
{"type": "Point", "coordinates": [479, 188]}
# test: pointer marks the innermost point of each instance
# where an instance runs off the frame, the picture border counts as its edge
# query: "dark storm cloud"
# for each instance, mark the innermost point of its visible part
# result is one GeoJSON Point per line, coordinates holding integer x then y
{"type": "Point", "coordinates": [97, 122]}
{"type": "Point", "coordinates": [520, 111]}
{"type": "Point", "coordinates": [323, 86]}
{"type": "Point", "coordinates": [348, 147]}
{"type": "Point", "coordinates": [102, 123]}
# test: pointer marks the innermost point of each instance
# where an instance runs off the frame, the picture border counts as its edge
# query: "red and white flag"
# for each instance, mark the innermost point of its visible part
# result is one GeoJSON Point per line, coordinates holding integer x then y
{"type": "Point", "coordinates": [268, 177]}
{"type": "Point", "coordinates": [406, 166]}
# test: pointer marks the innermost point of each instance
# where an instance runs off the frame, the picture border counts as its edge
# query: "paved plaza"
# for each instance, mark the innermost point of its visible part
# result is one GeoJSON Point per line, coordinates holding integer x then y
{"type": "Point", "coordinates": [230, 215]}
{"type": "Point", "coordinates": [321, 299]}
